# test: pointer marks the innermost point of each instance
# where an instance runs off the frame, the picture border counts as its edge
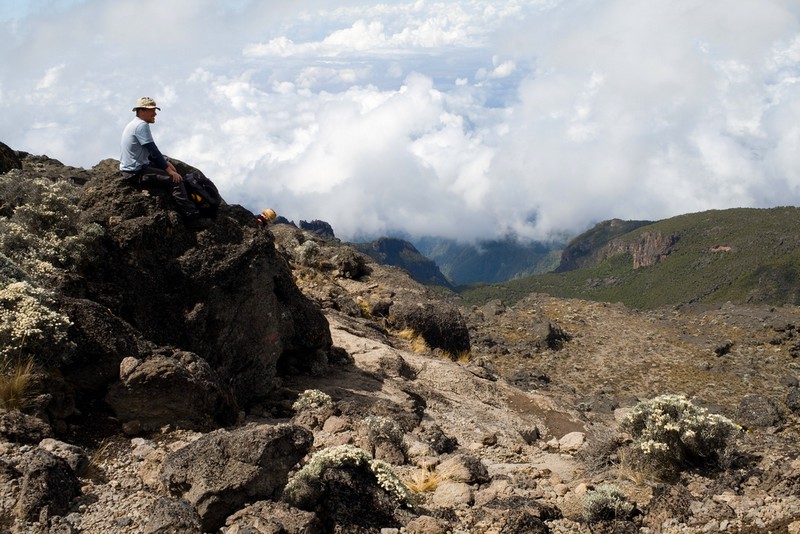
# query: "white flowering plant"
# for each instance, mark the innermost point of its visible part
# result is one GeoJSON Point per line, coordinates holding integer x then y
{"type": "Point", "coordinates": [670, 433]}
{"type": "Point", "coordinates": [607, 503]}
{"type": "Point", "coordinates": [304, 488]}
{"type": "Point", "coordinates": [40, 230]}
{"type": "Point", "coordinates": [311, 398]}
{"type": "Point", "coordinates": [382, 429]}
{"type": "Point", "coordinates": [30, 327]}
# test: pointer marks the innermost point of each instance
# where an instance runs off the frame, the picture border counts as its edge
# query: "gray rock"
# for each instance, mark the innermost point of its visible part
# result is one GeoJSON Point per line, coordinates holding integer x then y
{"type": "Point", "coordinates": [172, 516]}
{"type": "Point", "coordinates": [273, 517]}
{"type": "Point", "coordinates": [222, 471]}
{"type": "Point", "coordinates": [178, 388]}
{"type": "Point", "coordinates": [47, 482]}
{"type": "Point", "coordinates": [755, 411]}
{"type": "Point", "coordinates": [76, 457]}
{"type": "Point", "coordinates": [453, 495]}
{"type": "Point", "coordinates": [464, 468]}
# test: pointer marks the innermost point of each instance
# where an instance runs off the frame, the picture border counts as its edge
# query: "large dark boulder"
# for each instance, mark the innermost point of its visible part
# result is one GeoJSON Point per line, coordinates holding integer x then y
{"type": "Point", "coordinates": [47, 482]}
{"type": "Point", "coordinates": [222, 471]}
{"type": "Point", "coordinates": [441, 325]}
{"type": "Point", "coordinates": [177, 388]}
{"type": "Point", "coordinates": [8, 159]}
{"type": "Point", "coordinates": [223, 293]}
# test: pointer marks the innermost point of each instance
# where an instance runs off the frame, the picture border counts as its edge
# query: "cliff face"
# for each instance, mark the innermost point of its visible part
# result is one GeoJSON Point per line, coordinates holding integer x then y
{"type": "Point", "coordinates": [593, 245]}
{"type": "Point", "coordinates": [649, 249]}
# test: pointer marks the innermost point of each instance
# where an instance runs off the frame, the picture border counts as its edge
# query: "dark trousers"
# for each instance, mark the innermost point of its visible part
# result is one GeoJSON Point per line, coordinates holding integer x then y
{"type": "Point", "coordinates": [154, 177]}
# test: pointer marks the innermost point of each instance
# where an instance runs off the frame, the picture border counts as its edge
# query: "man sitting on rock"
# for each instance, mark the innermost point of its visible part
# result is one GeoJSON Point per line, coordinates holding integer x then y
{"type": "Point", "coordinates": [142, 163]}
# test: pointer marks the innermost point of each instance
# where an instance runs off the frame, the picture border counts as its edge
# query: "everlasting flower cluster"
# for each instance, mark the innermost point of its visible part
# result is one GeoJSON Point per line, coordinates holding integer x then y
{"type": "Point", "coordinates": [304, 486]}
{"type": "Point", "coordinates": [28, 325]}
{"type": "Point", "coordinates": [382, 428]}
{"type": "Point", "coordinates": [44, 233]}
{"type": "Point", "coordinates": [311, 398]}
{"type": "Point", "coordinates": [606, 503]}
{"type": "Point", "coordinates": [672, 430]}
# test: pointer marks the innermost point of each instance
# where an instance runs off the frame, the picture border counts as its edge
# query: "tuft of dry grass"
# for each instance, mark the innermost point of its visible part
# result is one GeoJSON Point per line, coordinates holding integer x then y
{"type": "Point", "coordinates": [416, 340]}
{"type": "Point", "coordinates": [463, 356]}
{"type": "Point", "coordinates": [423, 481]}
{"type": "Point", "coordinates": [104, 452]}
{"type": "Point", "coordinates": [406, 333]}
{"type": "Point", "coordinates": [15, 383]}
{"type": "Point", "coordinates": [364, 309]}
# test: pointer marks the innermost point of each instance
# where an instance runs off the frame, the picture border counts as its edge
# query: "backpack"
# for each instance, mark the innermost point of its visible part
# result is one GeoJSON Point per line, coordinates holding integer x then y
{"type": "Point", "coordinates": [203, 193]}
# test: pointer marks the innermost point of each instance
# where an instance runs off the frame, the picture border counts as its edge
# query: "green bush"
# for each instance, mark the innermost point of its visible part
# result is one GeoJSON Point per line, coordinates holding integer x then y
{"type": "Point", "coordinates": [671, 434]}
{"type": "Point", "coordinates": [40, 231]}
{"type": "Point", "coordinates": [304, 488]}
{"type": "Point", "coordinates": [607, 503]}
{"type": "Point", "coordinates": [30, 327]}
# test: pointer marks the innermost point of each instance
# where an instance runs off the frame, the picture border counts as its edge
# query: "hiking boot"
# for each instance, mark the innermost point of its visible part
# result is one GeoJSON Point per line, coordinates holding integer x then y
{"type": "Point", "coordinates": [195, 222]}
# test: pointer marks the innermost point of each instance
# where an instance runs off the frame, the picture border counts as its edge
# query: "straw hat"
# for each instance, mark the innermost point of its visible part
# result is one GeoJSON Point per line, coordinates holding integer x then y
{"type": "Point", "coordinates": [146, 103]}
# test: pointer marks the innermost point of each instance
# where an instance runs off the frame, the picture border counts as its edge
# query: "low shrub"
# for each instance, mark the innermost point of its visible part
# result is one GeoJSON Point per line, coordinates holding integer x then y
{"type": "Point", "coordinates": [31, 328]}
{"type": "Point", "coordinates": [304, 488]}
{"type": "Point", "coordinates": [670, 434]}
{"type": "Point", "coordinates": [311, 398]}
{"type": "Point", "coordinates": [607, 503]}
{"type": "Point", "coordinates": [43, 234]}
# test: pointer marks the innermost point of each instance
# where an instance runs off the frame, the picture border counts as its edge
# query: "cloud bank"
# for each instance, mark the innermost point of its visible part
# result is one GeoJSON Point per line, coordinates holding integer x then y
{"type": "Point", "coordinates": [465, 119]}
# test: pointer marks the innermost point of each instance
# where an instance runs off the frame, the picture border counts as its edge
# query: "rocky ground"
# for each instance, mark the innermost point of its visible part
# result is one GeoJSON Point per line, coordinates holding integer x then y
{"type": "Point", "coordinates": [537, 401]}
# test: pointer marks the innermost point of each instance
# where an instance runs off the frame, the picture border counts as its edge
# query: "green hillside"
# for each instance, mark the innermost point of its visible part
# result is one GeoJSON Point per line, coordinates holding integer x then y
{"type": "Point", "coordinates": [739, 255]}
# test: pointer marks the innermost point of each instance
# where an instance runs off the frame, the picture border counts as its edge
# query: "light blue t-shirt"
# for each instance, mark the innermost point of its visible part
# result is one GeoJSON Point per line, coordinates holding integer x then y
{"type": "Point", "coordinates": [133, 154]}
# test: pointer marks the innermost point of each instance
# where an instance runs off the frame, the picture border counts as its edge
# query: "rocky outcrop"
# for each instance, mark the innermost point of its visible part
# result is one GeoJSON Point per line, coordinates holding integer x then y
{"type": "Point", "coordinates": [318, 227]}
{"type": "Point", "coordinates": [8, 159]}
{"type": "Point", "coordinates": [222, 293]}
{"type": "Point", "coordinates": [649, 249]}
{"type": "Point", "coordinates": [401, 303]}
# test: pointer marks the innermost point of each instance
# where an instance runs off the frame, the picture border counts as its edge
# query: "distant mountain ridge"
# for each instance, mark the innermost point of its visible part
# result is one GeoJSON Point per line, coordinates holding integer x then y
{"type": "Point", "coordinates": [742, 255]}
{"type": "Point", "coordinates": [490, 261]}
{"type": "Point", "coordinates": [400, 253]}
{"type": "Point", "coordinates": [448, 263]}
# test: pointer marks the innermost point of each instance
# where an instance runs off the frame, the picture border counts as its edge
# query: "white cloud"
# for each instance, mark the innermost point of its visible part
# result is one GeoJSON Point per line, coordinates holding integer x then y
{"type": "Point", "coordinates": [462, 118]}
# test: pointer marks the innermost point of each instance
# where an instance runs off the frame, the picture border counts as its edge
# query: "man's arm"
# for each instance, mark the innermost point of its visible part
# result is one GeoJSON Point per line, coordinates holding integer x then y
{"type": "Point", "coordinates": [158, 159]}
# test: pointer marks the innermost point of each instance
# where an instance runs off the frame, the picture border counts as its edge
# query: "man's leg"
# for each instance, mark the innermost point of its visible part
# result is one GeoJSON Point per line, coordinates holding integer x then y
{"type": "Point", "coordinates": [155, 177]}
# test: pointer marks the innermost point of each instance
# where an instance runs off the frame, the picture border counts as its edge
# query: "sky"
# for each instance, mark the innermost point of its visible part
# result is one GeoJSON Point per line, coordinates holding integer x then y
{"type": "Point", "coordinates": [464, 119]}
